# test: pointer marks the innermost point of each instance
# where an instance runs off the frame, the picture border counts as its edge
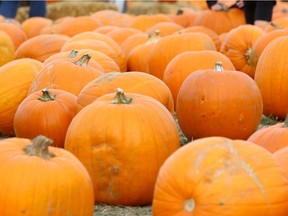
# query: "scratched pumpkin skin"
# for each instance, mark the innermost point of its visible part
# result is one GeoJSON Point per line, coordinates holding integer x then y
{"type": "Point", "coordinates": [219, 176]}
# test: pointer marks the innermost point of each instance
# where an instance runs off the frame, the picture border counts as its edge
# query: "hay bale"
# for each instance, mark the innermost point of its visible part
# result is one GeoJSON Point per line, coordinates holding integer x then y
{"type": "Point", "coordinates": [57, 10]}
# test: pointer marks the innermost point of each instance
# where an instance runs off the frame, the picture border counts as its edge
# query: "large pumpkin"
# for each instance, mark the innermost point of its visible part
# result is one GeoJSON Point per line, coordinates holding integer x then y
{"type": "Point", "coordinates": [219, 102]}
{"type": "Point", "coordinates": [7, 48]}
{"type": "Point", "coordinates": [271, 76]}
{"type": "Point", "coordinates": [15, 80]}
{"type": "Point", "coordinates": [36, 179]}
{"type": "Point", "coordinates": [219, 176]}
{"type": "Point", "coordinates": [47, 112]}
{"type": "Point", "coordinates": [123, 141]}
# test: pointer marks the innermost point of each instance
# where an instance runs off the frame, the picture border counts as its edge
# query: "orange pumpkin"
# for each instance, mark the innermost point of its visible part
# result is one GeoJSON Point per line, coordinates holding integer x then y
{"type": "Point", "coordinates": [48, 181]}
{"type": "Point", "coordinates": [15, 80]}
{"type": "Point", "coordinates": [121, 134]}
{"type": "Point", "coordinates": [271, 137]}
{"type": "Point", "coordinates": [168, 47]}
{"type": "Point", "coordinates": [271, 77]}
{"type": "Point", "coordinates": [215, 103]}
{"type": "Point", "coordinates": [54, 109]}
{"type": "Point", "coordinates": [7, 48]}
{"type": "Point", "coordinates": [182, 65]}
{"type": "Point", "coordinates": [238, 44]}
{"type": "Point", "coordinates": [41, 47]}
{"type": "Point", "coordinates": [136, 82]}
{"type": "Point", "coordinates": [77, 25]}
{"type": "Point", "coordinates": [15, 32]}
{"type": "Point", "coordinates": [33, 26]}
{"type": "Point", "coordinates": [219, 176]}
{"type": "Point", "coordinates": [66, 75]}
{"type": "Point", "coordinates": [220, 21]}
{"type": "Point", "coordinates": [281, 157]}
{"type": "Point", "coordinates": [165, 28]}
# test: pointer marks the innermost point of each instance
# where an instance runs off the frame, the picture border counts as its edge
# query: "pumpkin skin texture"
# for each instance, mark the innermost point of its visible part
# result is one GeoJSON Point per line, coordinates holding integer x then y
{"type": "Point", "coordinates": [15, 80]}
{"type": "Point", "coordinates": [136, 82]}
{"type": "Point", "coordinates": [272, 138]}
{"type": "Point", "coordinates": [168, 47]}
{"type": "Point", "coordinates": [121, 141]}
{"type": "Point", "coordinates": [54, 109]}
{"type": "Point", "coordinates": [219, 176]}
{"type": "Point", "coordinates": [271, 77]}
{"type": "Point", "coordinates": [182, 65]}
{"type": "Point", "coordinates": [219, 103]}
{"type": "Point", "coordinates": [7, 48]}
{"type": "Point", "coordinates": [42, 180]}
{"type": "Point", "coordinates": [281, 157]}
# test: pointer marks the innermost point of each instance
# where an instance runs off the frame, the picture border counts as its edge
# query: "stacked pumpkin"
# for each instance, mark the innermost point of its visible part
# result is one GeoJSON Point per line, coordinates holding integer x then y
{"type": "Point", "coordinates": [104, 95]}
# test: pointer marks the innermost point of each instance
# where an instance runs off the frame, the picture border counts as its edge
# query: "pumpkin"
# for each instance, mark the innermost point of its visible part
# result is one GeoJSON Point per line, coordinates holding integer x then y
{"type": "Point", "coordinates": [42, 180]}
{"type": "Point", "coordinates": [119, 35]}
{"type": "Point", "coordinates": [136, 82]}
{"type": "Point", "coordinates": [184, 16]}
{"type": "Point", "coordinates": [77, 25]}
{"type": "Point", "coordinates": [7, 48]}
{"type": "Point", "coordinates": [54, 109]}
{"type": "Point", "coordinates": [272, 137]}
{"type": "Point", "coordinates": [271, 77]}
{"type": "Point", "coordinates": [168, 47]}
{"type": "Point", "coordinates": [183, 64]}
{"type": "Point", "coordinates": [66, 75]}
{"type": "Point", "coordinates": [15, 32]}
{"type": "Point", "coordinates": [262, 42]}
{"type": "Point", "coordinates": [281, 157]}
{"type": "Point", "coordinates": [15, 80]}
{"type": "Point", "coordinates": [165, 28]}
{"type": "Point", "coordinates": [219, 176]}
{"type": "Point", "coordinates": [238, 44]}
{"type": "Point", "coordinates": [220, 21]}
{"type": "Point", "coordinates": [118, 137]}
{"type": "Point", "coordinates": [219, 102]}
{"type": "Point", "coordinates": [33, 26]}
{"type": "Point", "coordinates": [41, 47]}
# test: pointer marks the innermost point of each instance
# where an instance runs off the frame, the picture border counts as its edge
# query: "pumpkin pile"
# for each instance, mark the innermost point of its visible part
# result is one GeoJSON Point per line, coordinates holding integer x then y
{"type": "Point", "coordinates": [93, 109]}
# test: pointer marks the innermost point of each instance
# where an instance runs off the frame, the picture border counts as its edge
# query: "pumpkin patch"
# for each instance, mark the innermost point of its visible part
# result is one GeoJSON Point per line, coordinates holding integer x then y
{"type": "Point", "coordinates": [162, 107]}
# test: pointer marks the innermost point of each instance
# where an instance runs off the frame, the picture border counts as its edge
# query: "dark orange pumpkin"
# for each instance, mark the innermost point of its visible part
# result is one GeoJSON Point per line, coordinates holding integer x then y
{"type": "Point", "coordinates": [219, 103]}
{"type": "Point", "coordinates": [46, 112]}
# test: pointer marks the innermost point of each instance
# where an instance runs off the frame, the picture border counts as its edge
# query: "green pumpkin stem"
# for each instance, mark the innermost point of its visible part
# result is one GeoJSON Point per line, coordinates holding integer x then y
{"type": "Point", "coordinates": [274, 25]}
{"type": "Point", "coordinates": [73, 54]}
{"type": "Point", "coordinates": [218, 66]}
{"type": "Point", "coordinates": [120, 97]}
{"type": "Point", "coordinates": [39, 148]}
{"type": "Point", "coordinates": [285, 124]}
{"type": "Point", "coordinates": [84, 60]}
{"type": "Point", "coordinates": [46, 96]}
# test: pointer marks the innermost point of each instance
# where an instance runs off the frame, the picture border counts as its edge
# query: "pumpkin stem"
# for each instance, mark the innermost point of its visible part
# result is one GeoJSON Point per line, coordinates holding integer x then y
{"type": "Point", "coordinates": [218, 66]}
{"type": "Point", "coordinates": [223, 7]}
{"type": "Point", "coordinates": [120, 97]}
{"type": "Point", "coordinates": [248, 55]}
{"type": "Point", "coordinates": [180, 11]}
{"type": "Point", "coordinates": [153, 36]}
{"type": "Point", "coordinates": [274, 25]}
{"type": "Point", "coordinates": [73, 54]}
{"type": "Point", "coordinates": [285, 122]}
{"type": "Point", "coordinates": [46, 96]}
{"type": "Point", "coordinates": [84, 60]}
{"type": "Point", "coordinates": [189, 205]}
{"type": "Point", "coordinates": [39, 148]}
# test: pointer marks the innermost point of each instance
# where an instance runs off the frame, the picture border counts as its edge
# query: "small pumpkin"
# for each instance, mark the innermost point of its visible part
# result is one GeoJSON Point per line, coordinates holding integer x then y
{"type": "Point", "coordinates": [47, 112]}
